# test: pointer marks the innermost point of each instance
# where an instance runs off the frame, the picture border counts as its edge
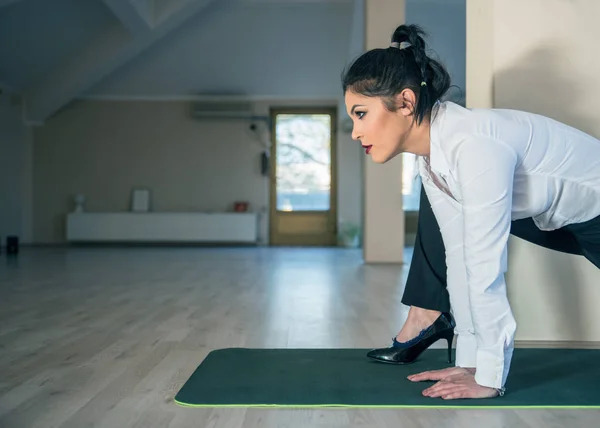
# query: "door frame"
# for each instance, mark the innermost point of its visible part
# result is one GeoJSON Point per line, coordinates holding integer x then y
{"type": "Point", "coordinates": [333, 192]}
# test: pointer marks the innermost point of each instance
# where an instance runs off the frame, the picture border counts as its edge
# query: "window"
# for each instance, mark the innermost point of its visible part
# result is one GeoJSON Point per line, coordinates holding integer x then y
{"type": "Point", "coordinates": [303, 162]}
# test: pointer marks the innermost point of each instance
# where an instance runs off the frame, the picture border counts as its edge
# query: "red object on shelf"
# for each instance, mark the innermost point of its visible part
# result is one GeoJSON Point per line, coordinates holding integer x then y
{"type": "Point", "coordinates": [240, 207]}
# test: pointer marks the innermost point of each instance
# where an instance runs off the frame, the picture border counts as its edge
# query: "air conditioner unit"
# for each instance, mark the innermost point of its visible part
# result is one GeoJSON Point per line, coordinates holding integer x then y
{"type": "Point", "coordinates": [224, 110]}
{"type": "Point", "coordinates": [221, 110]}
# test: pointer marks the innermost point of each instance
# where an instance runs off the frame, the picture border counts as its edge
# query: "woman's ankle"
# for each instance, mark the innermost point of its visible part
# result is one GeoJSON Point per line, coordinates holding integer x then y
{"type": "Point", "coordinates": [418, 319]}
{"type": "Point", "coordinates": [418, 314]}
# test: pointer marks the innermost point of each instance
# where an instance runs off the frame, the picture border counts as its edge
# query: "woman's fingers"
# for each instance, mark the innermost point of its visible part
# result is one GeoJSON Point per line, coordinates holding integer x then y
{"type": "Point", "coordinates": [442, 388]}
{"type": "Point", "coordinates": [428, 375]}
{"type": "Point", "coordinates": [434, 374]}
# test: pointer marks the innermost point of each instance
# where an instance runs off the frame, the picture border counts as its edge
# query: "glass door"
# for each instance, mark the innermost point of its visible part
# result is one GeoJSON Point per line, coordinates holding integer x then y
{"type": "Point", "coordinates": [303, 196]}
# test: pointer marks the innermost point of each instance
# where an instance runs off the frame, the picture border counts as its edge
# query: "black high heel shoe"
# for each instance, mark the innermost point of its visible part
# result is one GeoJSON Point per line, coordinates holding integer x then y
{"type": "Point", "coordinates": [407, 352]}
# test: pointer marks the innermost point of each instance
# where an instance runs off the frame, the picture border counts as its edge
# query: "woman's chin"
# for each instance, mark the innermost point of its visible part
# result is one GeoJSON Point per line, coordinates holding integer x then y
{"type": "Point", "coordinates": [380, 158]}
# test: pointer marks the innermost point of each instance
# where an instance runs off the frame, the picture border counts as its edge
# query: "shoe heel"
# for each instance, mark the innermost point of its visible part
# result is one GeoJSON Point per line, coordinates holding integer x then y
{"type": "Point", "coordinates": [449, 337]}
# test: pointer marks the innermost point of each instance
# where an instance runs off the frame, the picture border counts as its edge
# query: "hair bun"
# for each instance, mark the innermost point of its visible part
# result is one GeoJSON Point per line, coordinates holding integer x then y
{"type": "Point", "coordinates": [413, 34]}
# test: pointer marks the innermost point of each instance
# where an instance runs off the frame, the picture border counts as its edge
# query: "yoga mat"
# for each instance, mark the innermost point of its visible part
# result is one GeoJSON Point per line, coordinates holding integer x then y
{"type": "Point", "coordinates": [240, 377]}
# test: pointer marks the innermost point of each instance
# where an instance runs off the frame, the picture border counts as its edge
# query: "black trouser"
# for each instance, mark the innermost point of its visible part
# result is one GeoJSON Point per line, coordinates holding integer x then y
{"type": "Point", "coordinates": [426, 282]}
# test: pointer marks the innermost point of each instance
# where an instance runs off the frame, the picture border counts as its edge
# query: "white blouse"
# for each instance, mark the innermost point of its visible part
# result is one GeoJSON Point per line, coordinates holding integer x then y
{"type": "Point", "coordinates": [493, 166]}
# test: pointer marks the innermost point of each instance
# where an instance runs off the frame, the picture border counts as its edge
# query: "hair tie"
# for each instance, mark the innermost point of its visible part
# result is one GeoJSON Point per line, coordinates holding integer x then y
{"type": "Point", "coordinates": [423, 83]}
{"type": "Point", "coordinates": [401, 45]}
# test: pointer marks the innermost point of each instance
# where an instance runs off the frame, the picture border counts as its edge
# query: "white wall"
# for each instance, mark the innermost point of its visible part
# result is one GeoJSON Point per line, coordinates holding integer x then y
{"type": "Point", "coordinates": [14, 170]}
{"type": "Point", "coordinates": [538, 56]}
{"type": "Point", "coordinates": [105, 149]}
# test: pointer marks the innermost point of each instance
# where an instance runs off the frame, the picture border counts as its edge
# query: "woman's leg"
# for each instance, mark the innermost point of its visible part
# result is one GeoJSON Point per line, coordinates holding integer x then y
{"type": "Point", "coordinates": [587, 235]}
{"type": "Point", "coordinates": [562, 240]}
{"type": "Point", "coordinates": [426, 282]}
{"type": "Point", "coordinates": [425, 291]}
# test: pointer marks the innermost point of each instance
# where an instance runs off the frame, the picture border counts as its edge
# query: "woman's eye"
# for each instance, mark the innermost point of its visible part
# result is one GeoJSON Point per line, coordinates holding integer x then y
{"type": "Point", "coordinates": [361, 114]}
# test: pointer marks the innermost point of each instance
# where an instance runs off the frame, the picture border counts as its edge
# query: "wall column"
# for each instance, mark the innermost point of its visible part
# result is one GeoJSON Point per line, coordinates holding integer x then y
{"type": "Point", "coordinates": [383, 240]}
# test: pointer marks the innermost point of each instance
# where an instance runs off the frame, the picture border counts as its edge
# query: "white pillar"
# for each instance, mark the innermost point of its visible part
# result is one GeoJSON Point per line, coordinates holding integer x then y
{"type": "Point", "coordinates": [349, 153]}
{"type": "Point", "coordinates": [480, 54]}
{"type": "Point", "coordinates": [383, 213]}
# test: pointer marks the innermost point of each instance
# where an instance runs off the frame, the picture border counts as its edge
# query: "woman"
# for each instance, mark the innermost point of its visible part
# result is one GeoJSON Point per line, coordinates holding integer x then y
{"type": "Point", "coordinates": [486, 174]}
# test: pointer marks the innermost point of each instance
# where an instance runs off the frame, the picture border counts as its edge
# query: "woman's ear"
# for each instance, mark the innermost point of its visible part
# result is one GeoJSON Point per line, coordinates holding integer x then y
{"type": "Point", "coordinates": [406, 102]}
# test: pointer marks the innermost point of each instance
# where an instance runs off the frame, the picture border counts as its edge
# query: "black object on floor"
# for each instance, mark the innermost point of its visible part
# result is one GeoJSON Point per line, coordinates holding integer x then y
{"type": "Point", "coordinates": [12, 245]}
{"type": "Point", "coordinates": [240, 377]}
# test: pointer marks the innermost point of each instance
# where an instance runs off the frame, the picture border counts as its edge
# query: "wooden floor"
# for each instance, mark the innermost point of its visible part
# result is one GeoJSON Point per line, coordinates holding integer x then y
{"type": "Point", "coordinates": [105, 337]}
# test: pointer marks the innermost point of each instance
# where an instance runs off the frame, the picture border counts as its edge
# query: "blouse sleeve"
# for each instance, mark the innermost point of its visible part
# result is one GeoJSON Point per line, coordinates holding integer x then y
{"type": "Point", "coordinates": [485, 171]}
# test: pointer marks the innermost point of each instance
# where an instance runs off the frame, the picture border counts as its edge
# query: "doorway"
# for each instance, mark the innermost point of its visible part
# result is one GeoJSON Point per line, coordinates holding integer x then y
{"type": "Point", "coordinates": [303, 177]}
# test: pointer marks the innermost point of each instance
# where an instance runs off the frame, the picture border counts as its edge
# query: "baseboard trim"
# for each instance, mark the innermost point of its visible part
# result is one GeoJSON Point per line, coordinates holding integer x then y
{"type": "Point", "coordinates": [556, 344]}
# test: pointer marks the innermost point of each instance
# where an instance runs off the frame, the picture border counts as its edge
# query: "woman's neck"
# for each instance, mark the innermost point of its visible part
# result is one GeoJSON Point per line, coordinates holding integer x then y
{"type": "Point", "coordinates": [419, 141]}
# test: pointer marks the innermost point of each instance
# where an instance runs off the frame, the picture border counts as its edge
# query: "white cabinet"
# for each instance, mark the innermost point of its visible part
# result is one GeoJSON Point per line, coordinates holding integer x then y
{"type": "Point", "coordinates": [162, 227]}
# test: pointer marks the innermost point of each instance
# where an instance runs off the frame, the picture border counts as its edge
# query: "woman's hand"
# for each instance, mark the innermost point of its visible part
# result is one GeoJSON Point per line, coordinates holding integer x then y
{"type": "Point", "coordinates": [453, 382]}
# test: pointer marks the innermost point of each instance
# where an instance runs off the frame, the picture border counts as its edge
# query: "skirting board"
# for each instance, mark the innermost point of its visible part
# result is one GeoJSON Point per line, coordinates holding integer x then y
{"type": "Point", "coordinates": [558, 344]}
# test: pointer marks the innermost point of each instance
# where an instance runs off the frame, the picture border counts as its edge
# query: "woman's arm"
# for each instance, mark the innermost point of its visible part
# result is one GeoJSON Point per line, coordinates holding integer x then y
{"type": "Point", "coordinates": [448, 214]}
{"type": "Point", "coordinates": [485, 170]}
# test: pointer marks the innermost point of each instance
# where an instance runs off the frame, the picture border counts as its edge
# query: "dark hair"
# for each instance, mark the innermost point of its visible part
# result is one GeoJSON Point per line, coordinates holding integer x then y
{"type": "Point", "coordinates": [387, 72]}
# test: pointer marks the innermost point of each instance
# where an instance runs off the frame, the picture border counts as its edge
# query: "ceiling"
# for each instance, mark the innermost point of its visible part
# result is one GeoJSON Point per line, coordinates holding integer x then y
{"type": "Point", "coordinates": [51, 51]}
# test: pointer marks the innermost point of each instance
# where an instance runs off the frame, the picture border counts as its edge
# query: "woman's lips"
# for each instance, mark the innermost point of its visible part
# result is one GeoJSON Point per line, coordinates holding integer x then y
{"type": "Point", "coordinates": [367, 149]}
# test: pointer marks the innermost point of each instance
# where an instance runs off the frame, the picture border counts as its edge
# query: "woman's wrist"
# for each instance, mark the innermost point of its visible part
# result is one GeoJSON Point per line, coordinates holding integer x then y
{"type": "Point", "coordinates": [500, 390]}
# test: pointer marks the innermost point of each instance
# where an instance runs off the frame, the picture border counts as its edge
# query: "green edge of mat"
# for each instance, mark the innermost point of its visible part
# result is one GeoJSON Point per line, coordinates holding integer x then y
{"type": "Point", "coordinates": [391, 406]}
